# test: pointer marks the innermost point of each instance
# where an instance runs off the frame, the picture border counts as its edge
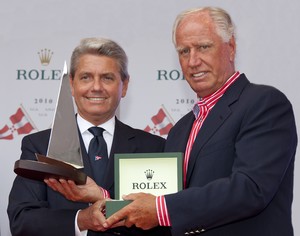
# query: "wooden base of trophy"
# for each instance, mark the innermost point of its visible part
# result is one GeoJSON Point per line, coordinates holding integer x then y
{"type": "Point", "coordinates": [47, 167]}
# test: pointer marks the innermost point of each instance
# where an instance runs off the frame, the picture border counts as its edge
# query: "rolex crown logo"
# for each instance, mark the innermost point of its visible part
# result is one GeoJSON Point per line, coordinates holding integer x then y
{"type": "Point", "coordinates": [149, 174]}
{"type": "Point", "coordinates": [45, 56]}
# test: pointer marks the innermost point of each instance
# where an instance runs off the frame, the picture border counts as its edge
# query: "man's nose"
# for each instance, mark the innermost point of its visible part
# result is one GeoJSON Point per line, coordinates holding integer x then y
{"type": "Point", "coordinates": [97, 84]}
{"type": "Point", "coordinates": [194, 59]}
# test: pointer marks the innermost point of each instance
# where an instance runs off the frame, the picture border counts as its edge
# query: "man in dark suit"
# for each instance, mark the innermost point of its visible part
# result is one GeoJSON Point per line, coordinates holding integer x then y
{"type": "Point", "coordinates": [239, 144]}
{"type": "Point", "coordinates": [98, 79]}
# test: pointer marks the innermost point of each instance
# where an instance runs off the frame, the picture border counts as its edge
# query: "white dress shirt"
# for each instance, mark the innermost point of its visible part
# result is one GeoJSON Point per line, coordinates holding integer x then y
{"type": "Point", "coordinates": [108, 135]}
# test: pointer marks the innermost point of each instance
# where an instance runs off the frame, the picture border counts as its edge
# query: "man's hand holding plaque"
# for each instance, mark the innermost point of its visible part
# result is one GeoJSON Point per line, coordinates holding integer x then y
{"type": "Point", "coordinates": [141, 205]}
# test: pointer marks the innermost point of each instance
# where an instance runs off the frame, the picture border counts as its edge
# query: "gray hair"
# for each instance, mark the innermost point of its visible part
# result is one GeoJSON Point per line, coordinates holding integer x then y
{"type": "Point", "coordinates": [100, 47]}
{"type": "Point", "coordinates": [224, 25]}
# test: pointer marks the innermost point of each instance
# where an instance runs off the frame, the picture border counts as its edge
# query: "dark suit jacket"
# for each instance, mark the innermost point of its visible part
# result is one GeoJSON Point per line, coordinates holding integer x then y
{"type": "Point", "coordinates": [34, 209]}
{"type": "Point", "coordinates": [240, 173]}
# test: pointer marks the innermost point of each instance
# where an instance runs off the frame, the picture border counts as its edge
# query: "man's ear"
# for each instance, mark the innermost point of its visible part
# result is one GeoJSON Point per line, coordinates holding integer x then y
{"type": "Point", "coordinates": [71, 81]}
{"type": "Point", "coordinates": [125, 87]}
{"type": "Point", "coordinates": [232, 46]}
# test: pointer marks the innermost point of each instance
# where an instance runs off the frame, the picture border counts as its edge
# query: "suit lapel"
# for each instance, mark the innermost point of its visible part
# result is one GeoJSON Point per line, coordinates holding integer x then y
{"type": "Point", "coordinates": [215, 119]}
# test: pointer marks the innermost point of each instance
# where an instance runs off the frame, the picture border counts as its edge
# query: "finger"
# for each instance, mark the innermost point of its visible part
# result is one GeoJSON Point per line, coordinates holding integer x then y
{"type": "Point", "coordinates": [101, 206]}
{"type": "Point", "coordinates": [114, 219]}
{"type": "Point", "coordinates": [93, 217]}
{"type": "Point", "coordinates": [67, 186]}
{"type": "Point", "coordinates": [72, 183]}
{"type": "Point", "coordinates": [64, 187]}
{"type": "Point", "coordinates": [119, 224]}
{"type": "Point", "coordinates": [132, 196]}
{"type": "Point", "coordinates": [89, 180]}
{"type": "Point", "coordinates": [128, 223]}
{"type": "Point", "coordinates": [53, 183]}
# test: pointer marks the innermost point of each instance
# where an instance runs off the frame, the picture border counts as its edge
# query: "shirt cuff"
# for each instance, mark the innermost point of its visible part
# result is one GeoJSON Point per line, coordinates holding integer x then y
{"type": "Point", "coordinates": [105, 193]}
{"type": "Point", "coordinates": [77, 231]}
{"type": "Point", "coordinates": [162, 211]}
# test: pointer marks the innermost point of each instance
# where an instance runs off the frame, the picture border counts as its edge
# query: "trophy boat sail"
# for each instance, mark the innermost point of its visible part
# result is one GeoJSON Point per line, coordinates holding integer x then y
{"type": "Point", "coordinates": [64, 157]}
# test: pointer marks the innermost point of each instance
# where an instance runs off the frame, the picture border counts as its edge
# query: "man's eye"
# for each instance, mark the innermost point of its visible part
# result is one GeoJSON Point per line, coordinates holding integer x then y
{"type": "Point", "coordinates": [108, 78]}
{"type": "Point", "coordinates": [84, 77]}
{"type": "Point", "coordinates": [204, 47]}
{"type": "Point", "coordinates": [184, 51]}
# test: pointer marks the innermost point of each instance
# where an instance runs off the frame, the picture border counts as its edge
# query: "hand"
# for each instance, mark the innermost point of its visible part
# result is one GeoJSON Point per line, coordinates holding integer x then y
{"type": "Point", "coordinates": [92, 218]}
{"type": "Point", "coordinates": [141, 213]}
{"type": "Point", "coordinates": [90, 192]}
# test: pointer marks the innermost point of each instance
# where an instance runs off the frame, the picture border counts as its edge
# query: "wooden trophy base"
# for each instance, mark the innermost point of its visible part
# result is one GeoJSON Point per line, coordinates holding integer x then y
{"type": "Point", "coordinates": [47, 167]}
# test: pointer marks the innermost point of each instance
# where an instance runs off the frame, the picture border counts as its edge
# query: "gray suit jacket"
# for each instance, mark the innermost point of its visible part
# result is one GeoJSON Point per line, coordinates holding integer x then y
{"type": "Point", "coordinates": [34, 209]}
{"type": "Point", "coordinates": [240, 173]}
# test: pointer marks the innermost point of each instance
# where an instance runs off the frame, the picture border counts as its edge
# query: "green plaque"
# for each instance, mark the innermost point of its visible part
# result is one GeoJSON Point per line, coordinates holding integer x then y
{"type": "Point", "coordinates": [114, 205]}
{"type": "Point", "coordinates": [155, 173]}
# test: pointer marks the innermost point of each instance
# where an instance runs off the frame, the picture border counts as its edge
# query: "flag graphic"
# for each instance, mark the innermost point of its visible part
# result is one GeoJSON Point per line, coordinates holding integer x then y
{"type": "Point", "coordinates": [162, 123]}
{"type": "Point", "coordinates": [6, 133]}
{"type": "Point", "coordinates": [21, 123]}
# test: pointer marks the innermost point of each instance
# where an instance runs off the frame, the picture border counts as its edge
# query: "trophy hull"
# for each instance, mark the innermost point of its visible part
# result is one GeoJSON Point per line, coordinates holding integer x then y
{"type": "Point", "coordinates": [41, 170]}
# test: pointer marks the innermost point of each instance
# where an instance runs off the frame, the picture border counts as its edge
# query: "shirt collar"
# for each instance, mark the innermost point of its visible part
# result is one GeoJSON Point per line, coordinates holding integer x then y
{"type": "Point", "coordinates": [210, 100]}
{"type": "Point", "coordinates": [84, 125]}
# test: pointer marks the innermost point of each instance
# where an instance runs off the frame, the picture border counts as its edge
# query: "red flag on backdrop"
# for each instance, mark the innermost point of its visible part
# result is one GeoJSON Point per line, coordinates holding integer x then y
{"type": "Point", "coordinates": [161, 123]}
{"type": "Point", "coordinates": [6, 133]}
{"type": "Point", "coordinates": [21, 123]}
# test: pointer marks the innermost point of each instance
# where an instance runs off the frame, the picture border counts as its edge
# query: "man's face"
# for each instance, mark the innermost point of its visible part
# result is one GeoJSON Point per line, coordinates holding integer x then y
{"type": "Point", "coordinates": [97, 88]}
{"type": "Point", "coordinates": [206, 61]}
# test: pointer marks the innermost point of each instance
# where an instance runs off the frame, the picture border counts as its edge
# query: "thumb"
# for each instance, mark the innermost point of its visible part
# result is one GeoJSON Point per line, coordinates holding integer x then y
{"type": "Point", "coordinates": [131, 196]}
{"type": "Point", "coordinates": [126, 197]}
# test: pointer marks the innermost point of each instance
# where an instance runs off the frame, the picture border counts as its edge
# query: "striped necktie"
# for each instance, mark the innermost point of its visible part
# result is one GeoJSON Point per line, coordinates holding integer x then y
{"type": "Point", "coordinates": [98, 154]}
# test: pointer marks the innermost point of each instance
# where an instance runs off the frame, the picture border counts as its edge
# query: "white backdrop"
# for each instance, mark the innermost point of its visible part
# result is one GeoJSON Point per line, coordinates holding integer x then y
{"type": "Point", "coordinates": [268, 36]}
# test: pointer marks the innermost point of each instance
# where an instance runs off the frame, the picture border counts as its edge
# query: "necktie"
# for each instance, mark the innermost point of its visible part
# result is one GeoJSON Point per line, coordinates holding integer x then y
{"type": "Point", "coordinates": [98, 154]}
{"type": "Point", "coordinates": [200, 111]}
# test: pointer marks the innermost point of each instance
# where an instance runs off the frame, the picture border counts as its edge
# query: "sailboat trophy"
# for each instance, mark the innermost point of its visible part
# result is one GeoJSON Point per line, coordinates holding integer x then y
{"type": "Point", "coordinates": [64, 158]}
